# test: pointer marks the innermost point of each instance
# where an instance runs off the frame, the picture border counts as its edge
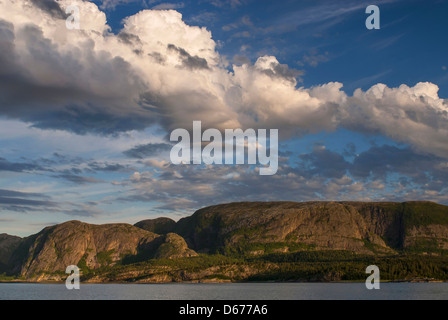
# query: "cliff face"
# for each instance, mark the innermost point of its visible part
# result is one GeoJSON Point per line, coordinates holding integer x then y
{"type": "Point", "coordinates": [375, 228]}
{"type": "Point", "coordinates": [77, 243]}
{"type": "Point", "coordinates": [256, 225]}
{"type": "Point", "coordinates": [8, 244]}
{"type": "Point", "coordinates": [88, 246]}
{"type": "Point", "coordinates": [247, 229]}
{"type": "Point", "coordinates": [420, 227]}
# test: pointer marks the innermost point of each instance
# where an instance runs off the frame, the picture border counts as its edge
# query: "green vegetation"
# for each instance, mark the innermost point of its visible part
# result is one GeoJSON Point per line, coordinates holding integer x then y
{"type": "Point", "coordinates": [348, 266]}
{"type": "Point", "coordinates": [246, 249]}
{"type": "Point", "coordinates": [4, 277]}
{"type": "Point", "coordinates": [424, 214]}
{"type": "Point", "coordinates": [297, 266]}
{"type": "Point", "coordinates": [328, 265]}
{"type": "Point", "coordinates": [104, 257]}
{"type": "Point", "coordinates": [166, 250]}
{"type": "Point", "coordinates": [82, 264]}
{"type": "Point", "coordinates": [426, 246]}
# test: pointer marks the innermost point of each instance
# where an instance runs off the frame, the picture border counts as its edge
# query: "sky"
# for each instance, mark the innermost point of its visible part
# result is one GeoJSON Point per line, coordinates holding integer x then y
{"type": "Point", "coordinates": [86, 114]}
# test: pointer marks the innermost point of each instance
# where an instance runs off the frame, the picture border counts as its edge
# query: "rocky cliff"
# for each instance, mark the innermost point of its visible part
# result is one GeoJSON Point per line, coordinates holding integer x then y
{"type": "Point", "coordinates": [90, 247]}
{"type": "Point", "coordinates": [247, 229]}
{"type": "Point", "coordinates": [369, 228]}
{"type": "Point", "coordinates": [8, 244]}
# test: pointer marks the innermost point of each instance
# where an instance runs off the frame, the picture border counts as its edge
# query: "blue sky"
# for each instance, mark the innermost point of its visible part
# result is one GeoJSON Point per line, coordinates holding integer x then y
{"type": "Point", "coordinates": [326, 39]}
{"type": "Point", "coordinates": [85, 114]}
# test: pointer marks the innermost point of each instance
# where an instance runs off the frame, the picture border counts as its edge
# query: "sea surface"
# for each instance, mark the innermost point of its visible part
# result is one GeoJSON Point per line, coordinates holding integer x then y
{"type": "Point", "coordinates": [234, 291]}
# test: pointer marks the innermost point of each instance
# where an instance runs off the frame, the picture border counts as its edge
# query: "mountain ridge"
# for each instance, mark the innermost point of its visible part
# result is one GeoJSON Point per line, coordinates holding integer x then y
{"type": "Point", "coordinates": [246, 231]}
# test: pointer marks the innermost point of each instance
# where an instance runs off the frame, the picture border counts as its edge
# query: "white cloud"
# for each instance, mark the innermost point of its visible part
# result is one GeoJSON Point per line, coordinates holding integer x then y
{"type": "Point", "coordinates": [161, 70]}
{"type": "Point", "coordinates": [414, 115]}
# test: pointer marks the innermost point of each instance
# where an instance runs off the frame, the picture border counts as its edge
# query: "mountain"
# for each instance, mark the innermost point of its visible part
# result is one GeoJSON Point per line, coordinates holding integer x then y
{"type": "Point", "coordinates": [159, 225]}
{"type": "Point", "coordinates": [243, 241]}
{"type": "Point", "coordinates": [90, 247]}
{"type": "Point", "coordinates": [8, 244]}
{"type": "Point", "coordinates": [362, 227]}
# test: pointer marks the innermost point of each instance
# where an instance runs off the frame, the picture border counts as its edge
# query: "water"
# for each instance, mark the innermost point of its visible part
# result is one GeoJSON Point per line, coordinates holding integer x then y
{"type": "Point", "coordinates": [234, 291]}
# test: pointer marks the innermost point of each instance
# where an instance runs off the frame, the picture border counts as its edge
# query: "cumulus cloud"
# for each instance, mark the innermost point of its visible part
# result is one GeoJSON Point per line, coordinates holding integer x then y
{"type": "Point", "coordinates": [158, 69]}
{"type": "Point", "coordinates": [50, 6]}
{"type": "Point", "coordinates": [414, 115]}
{"type": "Point", "coordinates": [187, 60]}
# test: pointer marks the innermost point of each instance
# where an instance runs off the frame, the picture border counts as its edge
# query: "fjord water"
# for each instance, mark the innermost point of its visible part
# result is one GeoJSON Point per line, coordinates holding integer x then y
{"type": "Point", "coordinates": [234, 291]}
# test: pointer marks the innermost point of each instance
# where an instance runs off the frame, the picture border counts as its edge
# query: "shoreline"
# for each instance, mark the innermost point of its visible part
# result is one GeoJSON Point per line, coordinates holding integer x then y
{"type": "Point", "coordinates": [222, 282]}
